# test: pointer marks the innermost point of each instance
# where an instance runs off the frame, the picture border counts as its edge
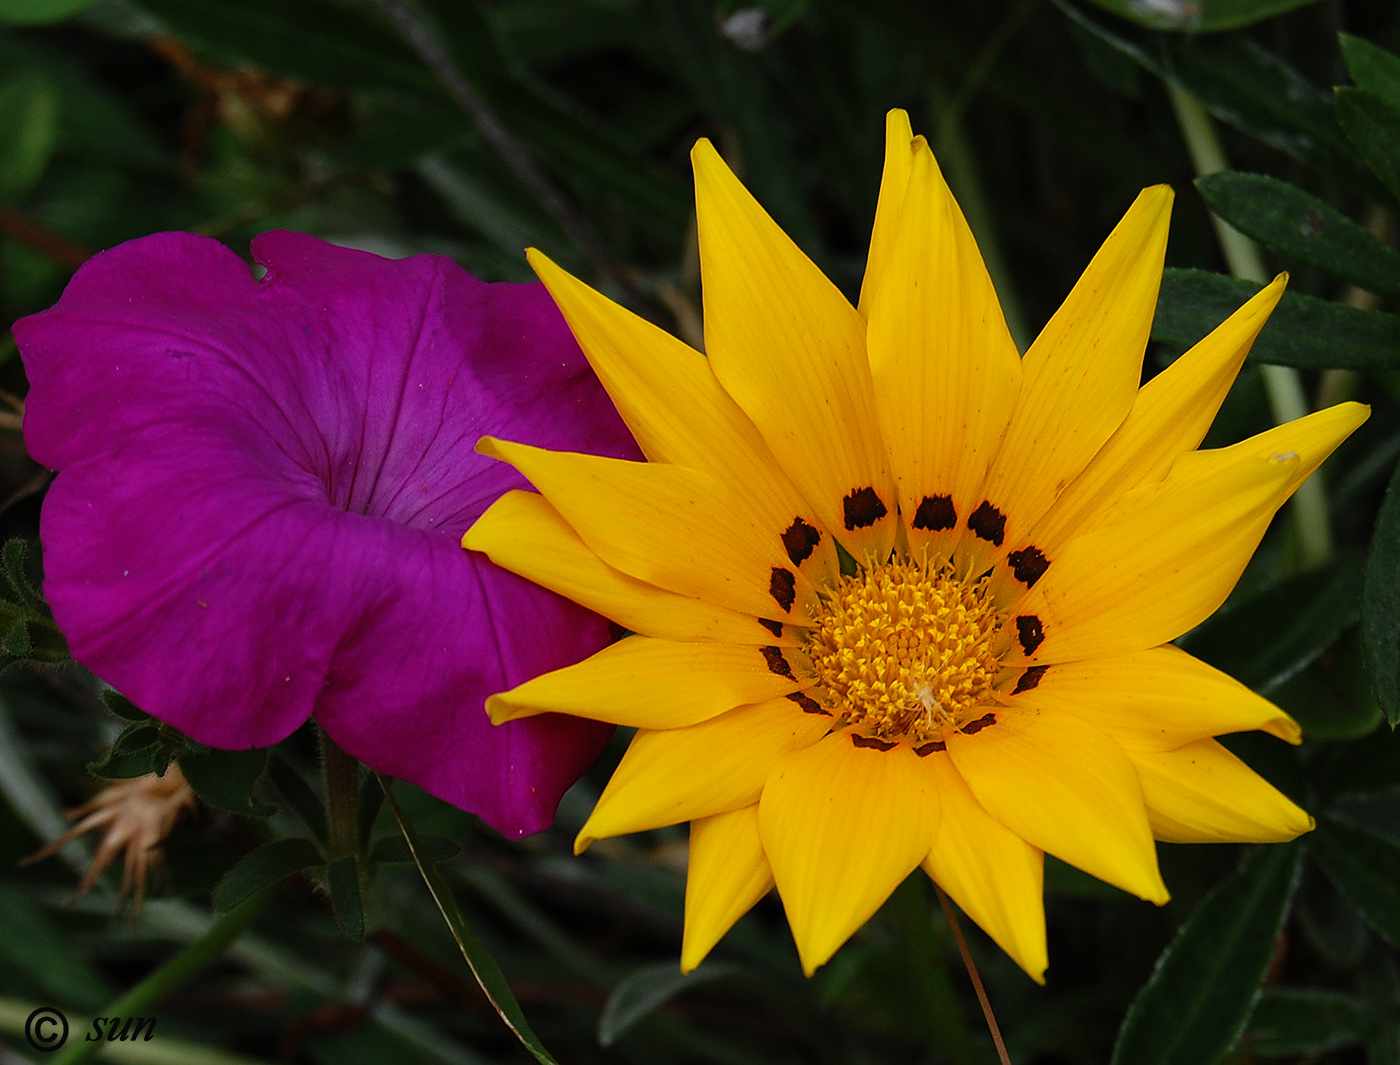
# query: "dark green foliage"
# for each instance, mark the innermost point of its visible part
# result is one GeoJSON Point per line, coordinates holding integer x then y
{"type": "Point", "coordinates": [1380, 605]}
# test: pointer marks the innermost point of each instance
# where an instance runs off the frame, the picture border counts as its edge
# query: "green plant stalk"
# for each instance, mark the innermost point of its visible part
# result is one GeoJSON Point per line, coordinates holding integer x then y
{"type": "Point", "coordinates": [342, 778]}
{"type": "Point", "coordinates": [203, 952]}
{"type": "Point", "coordinates": [1283, 385]}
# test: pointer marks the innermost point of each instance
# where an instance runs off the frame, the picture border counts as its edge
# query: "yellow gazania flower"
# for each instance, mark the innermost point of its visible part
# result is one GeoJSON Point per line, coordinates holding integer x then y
{"type": "Point", "coordinates": [902, 597]}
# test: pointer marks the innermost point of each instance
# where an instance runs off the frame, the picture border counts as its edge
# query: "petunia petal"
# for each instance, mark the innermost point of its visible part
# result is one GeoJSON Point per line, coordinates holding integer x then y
{"type": "Point", "coordinates": [668, 396]}
{"type": "Point", "coordinates": [1202, 793]}
{"type": "Point", "coordinates": [654, 684]}
{"type": "Point", "coordinates": [1168, 564]}
{"type": "Point", "coordinates": [1153, 700]}
{"type": "Point", "coordinates": [842, 825]}
{"type": "Point", "coordinates": [995, 876]}
{"type": "Point", "coordinates": [521, 532]}
{"type": "Point", "coordinates": [1065, 787]}
{"type": "Point", "coordinates": [900, 146]}
{"type": "Point", "coordinates": [1169, 417]}
{"type": "Point", "coordinates": [945, 368]}
{"type": "Point", "coordinates": [790, 349]}
{"type": "Point", "coordinates": [1080, 377]}
{"type": "Point", "coordinates": [677, 528]}
{"type": "Point", "coordinates": [672, 775]}
{"type": "Point", "coordinates": [728, 873]}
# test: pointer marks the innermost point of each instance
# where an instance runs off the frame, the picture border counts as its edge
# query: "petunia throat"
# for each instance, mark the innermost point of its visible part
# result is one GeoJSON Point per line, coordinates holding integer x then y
{"type": "Point", "coordinates": [904, 651]}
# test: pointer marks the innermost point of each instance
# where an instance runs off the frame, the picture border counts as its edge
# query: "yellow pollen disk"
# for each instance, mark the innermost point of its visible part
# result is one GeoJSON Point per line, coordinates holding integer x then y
{"type": "Point", "coordinates": [904, 651]}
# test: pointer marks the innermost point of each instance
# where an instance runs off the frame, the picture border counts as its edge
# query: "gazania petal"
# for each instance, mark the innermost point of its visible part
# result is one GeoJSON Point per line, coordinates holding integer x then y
{"type": "Point", "coordinates": [649, 683]}
{"type": "Point", "coordinates": [678, 774]}
{"type": "Point", "coordinates": [1066, 788]}
{"type": "Point", "coordinates": [728, 873]}
{"type": "Point", "coordinates": [842, 825]}
{"type": "Point", "coordinates": [787, 346]}
{"type": "Point", "coordinates": [994, 875]}
{"type": "Point", "coordinates": [1202, 793]}
{"type": "Point", "coordinates": [900, 146]}
{"type": "Point", "coordinates": [521, 532]}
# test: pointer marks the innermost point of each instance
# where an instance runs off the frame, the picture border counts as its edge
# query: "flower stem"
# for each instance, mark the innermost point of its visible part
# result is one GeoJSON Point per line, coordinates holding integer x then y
{"type": "Point", "coordinates": [1282, 384]}
{"type": "Point", "coordinates": [342, 777]}
{"type": "Point", "coordinates": [203, 952]}
{"type": "Point", "coordinates": [982, 999]}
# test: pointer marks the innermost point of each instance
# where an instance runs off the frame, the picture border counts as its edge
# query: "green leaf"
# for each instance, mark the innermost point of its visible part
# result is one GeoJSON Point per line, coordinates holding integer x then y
{"type": "Point", "coordinates": [645, 990]}
{"type": "Point", "coordinates": [1302, 228]}
{"type": "Point", "coordinates": [1372, 67]}
{"type": "Point", "coordinates": [298, 794]}
{"type": "Point", "coordinates": [28, 131]}
{"type": "Point", "coordinates": [120, 706]}
{"type": "Point", "coordinates": [1374, 127]}
{"type": "Point", "coordinates": [134, 753]}
{"type": "Point", "coordinates": [394, 849]}
{"type": "Point", "coordinates": [264, 867]}
{"type": "Point", "coordinates": [1303, 331]}
{"type": "Point", "coordinates": [1275, 634]}
{"type": "Point", "coordinates": [488, 974]}
{"type": "Point", "coordinates": [39, 12]}
{"type": "Point", "coordinates": [1290, 1021]}
{"type": "Point", "coordinates": [1199, 997]}
{"type": "Point", "coordinates": [32, 943]}
{"type": "Point", "coordinates": [343, 881]}
{"type": "Point", "coordinates": [226, 779]}
{"type": "Point", "coordinates": [1380, 605]}
{"type": "Point", "coordinates": [16, 641]}
{"type": "Point", "coordinates": [1204, 16]}
{"type": "Point", "coordinates": [1365, 866]}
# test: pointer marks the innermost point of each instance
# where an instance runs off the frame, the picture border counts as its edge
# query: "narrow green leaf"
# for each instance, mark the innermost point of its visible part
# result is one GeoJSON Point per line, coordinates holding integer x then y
{"type": "Point", "coordinates": [1289, 1021]}
{"type": "Point", "coordinates": [32, 943]}
{"type": "Point", "coordinates": [394, 849]}
{"type": "Point", "coordinates": [298, 794]}
{"type": "Point", "coordinates": [226, 778]}
{"type": "Point", "coordinates": [1374, 127]}
{"type": "Point", "coordinates": [264, 867]}
{"type": "Point", "coordinates": [488, 974]}
{"type": "Point", "coordinates": [643, 991]}
{"type": "Point", "coordinates": [1206, 982]}
{"type": "Point", "coordinates": [28, 131]}
{"type": "Point", "coordinates": [1303, 331]}
{"type": "Point", "coordinates": [1372, 67]}
{"type": "Point", "coordinates": [1365, 866]}
{"type": "Point", "coordinates": [1302, 228]}
{"type": "Point", "coordinates": [39, 12]}
{"type": "Point", "coordinates": [1380, 605]}
{"type": "Point", "coordinates": [1205, 17]}
{"type": "Point", "coordinates": [120, 706]}
{"type": "Point", "coordinates": [343, 880]}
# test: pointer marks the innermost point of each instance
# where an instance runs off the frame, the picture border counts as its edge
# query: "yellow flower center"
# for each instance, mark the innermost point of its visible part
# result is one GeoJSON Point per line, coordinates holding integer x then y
{"type": "Point", "coordinates": [904, 651]}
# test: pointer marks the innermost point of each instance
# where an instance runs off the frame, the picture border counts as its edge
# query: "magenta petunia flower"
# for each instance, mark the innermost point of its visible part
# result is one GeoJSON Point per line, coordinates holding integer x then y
{"type": "Point", "coordinates": [262, 486]}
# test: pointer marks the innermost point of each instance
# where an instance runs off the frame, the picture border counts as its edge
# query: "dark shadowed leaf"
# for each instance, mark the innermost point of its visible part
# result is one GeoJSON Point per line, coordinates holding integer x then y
{"type": "Point", "coordinates": [1206, 982]}
{"type": "Point", "coordinates": [343, 880]}
{"type": "Point", "coordinates": [225, 779]}
{"type": "Point", "coordinates": [264, 867]}
{"type": "Point", "coordinates": [1365, 866]}
{"type": "Point", "coordinates": [1380, 605]}
{"type": "Point", "coordinates": [646, 990]}
{"type": "Point", "coordinates": [1373, 124]}
{"type": "Point", "coordinates": [1204, 16]}
{"type": "Point", "coordinates": [38, 12]}
{"type": "Point", "coordinates": [1289, 1021]}
{"type": "Point", "coordinates": [1372, 67]}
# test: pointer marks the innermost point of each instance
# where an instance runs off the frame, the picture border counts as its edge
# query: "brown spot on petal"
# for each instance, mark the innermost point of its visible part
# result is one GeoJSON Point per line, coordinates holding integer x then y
{"type": "Point", "coordinates": [932, 747]}
{"type": "Point", "coordinates": [871, 741]}
{"type": "Point", "coordinates": [1029, 632]}
{"type": "Point", "coordinates": [863, 508]}
{"type": "Point", "coordinates": [1029, 679]}
{"type": "Point", "coordinates": [1029, 565]}
{"type": "Point", "coordinates": [775, 627]}
{"type": "Point", "coordinates": [782, 586]}
{"type": "Point", "coordinates": [974, 727]}
{"type": "Point", "coordinates": [935, 513]}
{"type": "Point", "coordinates": [800, 540]}
{"type": "Point", "coordinates": [776, 662]}
{"type": "Point", "coordinates": [988, 523]}
{"type": "Point", "coordinates": [808, 704]}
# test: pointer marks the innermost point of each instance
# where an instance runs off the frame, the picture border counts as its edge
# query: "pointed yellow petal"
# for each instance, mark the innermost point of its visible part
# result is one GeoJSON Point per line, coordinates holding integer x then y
{"type": "Point", "coordinates": [1204, 794]}
{"type": "Point", "coordinates": [946, 370]}
{"type": "Point", "coordinates": [899, 161]}
{"type": "Point", "coordinates": [728, 874]}
{"type": "Point", "coordinates": [787, 346]}
{"type": "Point", "coordinates": [1169, 417]}
{"type": "Point", "coordinates": [679, 774]}
{"type": "Point", "coordinates": [521, 532]}
{"type": "Point", "coordinates": [677, 528]}
{"type": "Point", "coordinates": [1153, 700]}
{"type": "Point", "coordinates": [842, 825]}
{"type": "Point", "coordinates": [678, 412]}
{"type": "Point", "coordinates": [656, 684]}
{"type": "Point", "coordinates": [1080, 377]}
{"type": "Point", "coordinates": [1172, 560]}
{"type": "Point", "coordinates": [1065, 787]}
{"type": "Point", "coordinates": [994, 876]}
